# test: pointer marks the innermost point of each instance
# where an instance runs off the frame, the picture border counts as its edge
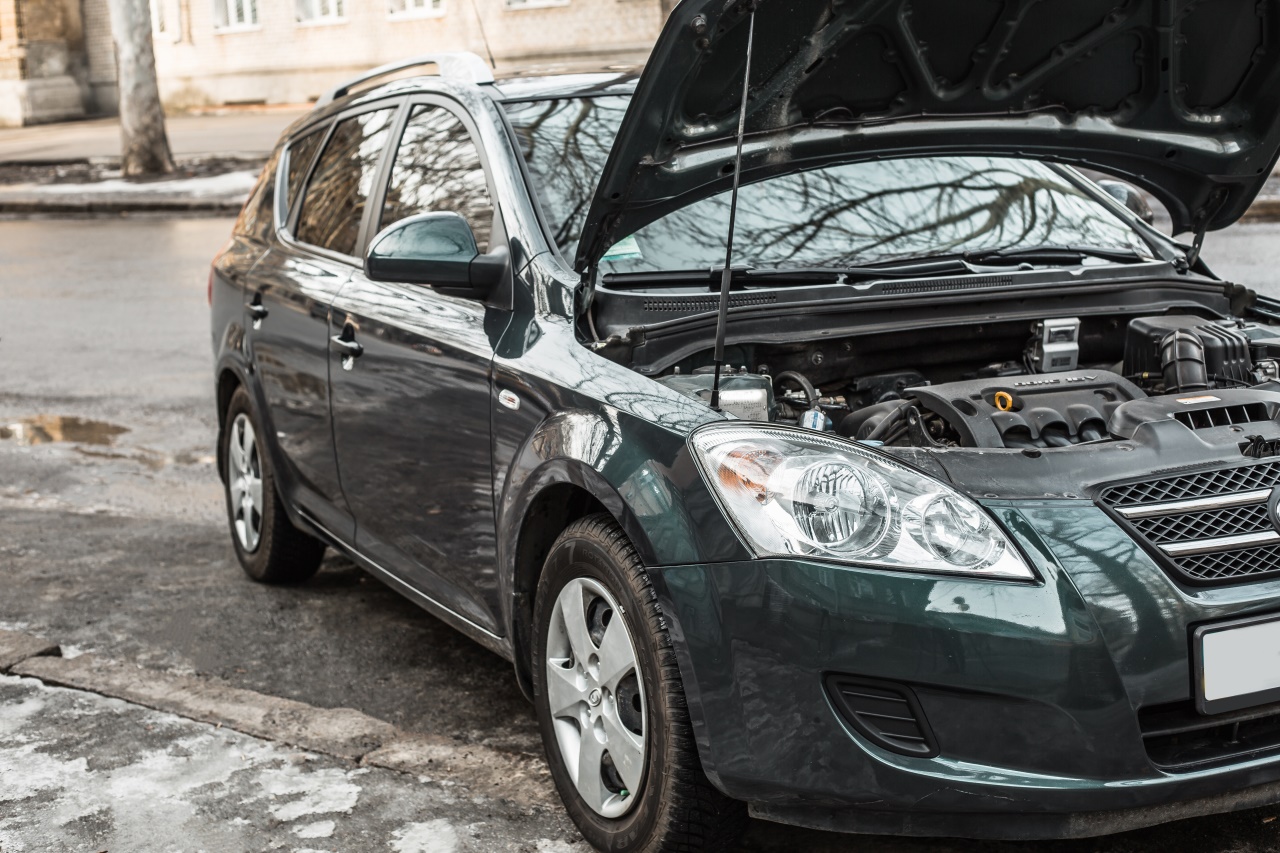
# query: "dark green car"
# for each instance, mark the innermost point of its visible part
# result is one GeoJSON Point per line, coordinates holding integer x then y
{"type": "Point", "coordinates": [831, 451]}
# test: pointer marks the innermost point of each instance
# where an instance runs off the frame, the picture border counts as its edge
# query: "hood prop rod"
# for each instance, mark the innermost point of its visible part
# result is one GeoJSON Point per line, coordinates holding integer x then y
{"type": "Point", "coordinates": [726, 276]}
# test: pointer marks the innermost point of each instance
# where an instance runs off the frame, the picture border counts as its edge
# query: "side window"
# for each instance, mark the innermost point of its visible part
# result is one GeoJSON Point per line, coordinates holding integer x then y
{"type": "Point", "coordinates": [342, 181]}
{"type": "Point", "coordinates": [257, 219]}
{"type": "Point", "coordinates": [299, 156]}
{"type": "Point", "coordinates": [437, 168]}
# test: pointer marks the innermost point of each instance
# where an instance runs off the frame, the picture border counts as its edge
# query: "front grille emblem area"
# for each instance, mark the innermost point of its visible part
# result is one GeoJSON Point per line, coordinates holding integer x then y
{"type": "Point", "coordinates": [1214, 527]}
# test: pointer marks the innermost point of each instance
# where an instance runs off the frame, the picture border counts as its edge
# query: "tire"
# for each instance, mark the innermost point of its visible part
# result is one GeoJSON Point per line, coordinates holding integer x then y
{"type": "Point", "coordinates": [270, 549]}
{"type": "Point", "coordinates": [675, 807]}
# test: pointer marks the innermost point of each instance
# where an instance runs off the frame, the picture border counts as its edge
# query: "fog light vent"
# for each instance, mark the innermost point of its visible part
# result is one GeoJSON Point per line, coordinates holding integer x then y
{"type": "Point", "coordinates": [887, 714]}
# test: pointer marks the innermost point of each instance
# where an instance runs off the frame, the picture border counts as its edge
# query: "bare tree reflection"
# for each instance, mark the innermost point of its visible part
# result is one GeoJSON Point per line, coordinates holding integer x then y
{"type": "Point", "coordinates": [342, 182]}
{"type": "Point", "coordinates": [437, 167]}
{"type": "Point", "coordinates": [837, 216]}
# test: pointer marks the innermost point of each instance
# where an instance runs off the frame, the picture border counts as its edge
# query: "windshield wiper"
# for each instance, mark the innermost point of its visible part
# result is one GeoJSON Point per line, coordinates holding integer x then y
{"type": "Point", "coordinates": [1055, 255]}
{"type": "Point", "coordinates": [799, 276]}
{"type": "Point", "coordinates": [960, 263]}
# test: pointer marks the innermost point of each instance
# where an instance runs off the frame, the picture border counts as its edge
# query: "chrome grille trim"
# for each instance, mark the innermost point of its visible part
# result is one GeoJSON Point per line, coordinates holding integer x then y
{"type": "Point", "coordinates": [1208, 527]}
{"type": "Point", "coordinates": [1221, 543]}
{"type": "Point", "coordinates": [1254, 496]}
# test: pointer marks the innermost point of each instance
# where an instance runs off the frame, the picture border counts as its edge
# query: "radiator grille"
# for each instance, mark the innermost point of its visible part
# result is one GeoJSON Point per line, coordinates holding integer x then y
{"type": "Point", "coordinates": [1194, 485]}
{"type": "Point", "coordinates": [1211, 527]}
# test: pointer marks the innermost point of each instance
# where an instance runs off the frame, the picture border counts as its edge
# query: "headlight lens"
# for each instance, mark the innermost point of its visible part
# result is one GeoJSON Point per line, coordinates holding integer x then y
{"type": "Point", "coordinates": [799, 493]}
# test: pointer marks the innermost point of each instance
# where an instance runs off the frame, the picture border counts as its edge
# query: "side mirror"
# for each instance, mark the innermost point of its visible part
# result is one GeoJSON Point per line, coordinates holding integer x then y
{"type": "Point", "coordinates": [1131, 197]}
{"type": "Point", "coordinates": [436, 249]}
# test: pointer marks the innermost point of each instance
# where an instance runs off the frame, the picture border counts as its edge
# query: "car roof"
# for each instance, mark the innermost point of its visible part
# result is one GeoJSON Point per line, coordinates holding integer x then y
{"type": "Point", "coordinates": [520, 86]}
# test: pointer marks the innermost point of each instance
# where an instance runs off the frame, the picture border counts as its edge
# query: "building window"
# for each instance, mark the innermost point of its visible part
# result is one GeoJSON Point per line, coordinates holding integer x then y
{"type": "Point", "coordinates": [235, 14]}
{"type": "Point", "coordinates": [535, 4]}
{"type": "Point", "coordinates": [159, 25]}
{"type": "Point", "coordinates": [415, 8]}
{"type": "Point", "coordinates": [320, 11]}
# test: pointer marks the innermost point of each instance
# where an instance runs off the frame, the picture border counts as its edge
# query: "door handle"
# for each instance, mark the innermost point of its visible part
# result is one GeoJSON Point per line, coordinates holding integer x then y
{"type": "Point", "coordinates": [257, 310]}
{"type": "Point", "coordinates": [350, 348]}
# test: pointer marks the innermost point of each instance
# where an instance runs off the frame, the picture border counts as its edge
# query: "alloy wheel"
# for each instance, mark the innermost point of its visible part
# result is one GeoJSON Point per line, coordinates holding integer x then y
{"type": "Point", "coordinates": [596, 697]}
{"type": "Point", "coordinates": [244, 483]}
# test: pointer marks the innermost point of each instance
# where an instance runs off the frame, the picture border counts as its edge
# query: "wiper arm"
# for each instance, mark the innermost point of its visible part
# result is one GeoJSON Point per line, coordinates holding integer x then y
{"type": "Point", "coordinates": [1053, 254]}
{"type": "Point", "coordinates": [799, 276]}
{"type": "Point", "coordinates": [960, 263]}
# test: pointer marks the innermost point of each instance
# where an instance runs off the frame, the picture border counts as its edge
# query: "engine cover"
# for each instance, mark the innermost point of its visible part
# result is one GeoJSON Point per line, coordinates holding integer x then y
{"type": "Point", "coordinates": [1038, 410]}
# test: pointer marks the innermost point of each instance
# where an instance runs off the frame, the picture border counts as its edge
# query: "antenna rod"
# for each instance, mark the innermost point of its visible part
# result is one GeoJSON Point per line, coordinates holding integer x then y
{"type": "Point", "coordinates": [722, 319]}
{"type": "Point", "coordinates": [480, 22]}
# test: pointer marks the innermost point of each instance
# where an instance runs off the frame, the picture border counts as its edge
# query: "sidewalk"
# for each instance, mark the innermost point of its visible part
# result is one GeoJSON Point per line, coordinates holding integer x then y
{"type": "Point", "coordinates": [72, 168]}
{"type": "Point", "coordinates": [249, 133]}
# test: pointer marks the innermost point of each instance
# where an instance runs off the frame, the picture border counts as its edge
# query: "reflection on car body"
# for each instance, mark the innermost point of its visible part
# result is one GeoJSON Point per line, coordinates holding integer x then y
{"type": "Point", "coordinates": [990, 472]}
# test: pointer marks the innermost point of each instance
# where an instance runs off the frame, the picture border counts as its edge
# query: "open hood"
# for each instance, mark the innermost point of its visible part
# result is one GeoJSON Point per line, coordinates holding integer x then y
{"type": "Point", "coordinates": [1181, 97]}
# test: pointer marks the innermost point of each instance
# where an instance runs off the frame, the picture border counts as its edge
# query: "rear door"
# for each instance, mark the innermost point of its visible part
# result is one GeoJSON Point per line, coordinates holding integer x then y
{"type": "Point", "coordinates": [411, 412]}
{"type": "Point", "coordinates": [293, 288]}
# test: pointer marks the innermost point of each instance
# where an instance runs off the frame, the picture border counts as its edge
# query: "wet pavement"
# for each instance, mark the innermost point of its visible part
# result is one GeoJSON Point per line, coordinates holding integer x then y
{"type": "Point", "coordinates": [112, 540]}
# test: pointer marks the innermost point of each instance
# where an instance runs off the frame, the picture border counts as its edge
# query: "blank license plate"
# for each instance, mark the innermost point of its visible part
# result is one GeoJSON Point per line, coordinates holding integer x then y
{"type": "Point", "coordinates": [1237, 664]}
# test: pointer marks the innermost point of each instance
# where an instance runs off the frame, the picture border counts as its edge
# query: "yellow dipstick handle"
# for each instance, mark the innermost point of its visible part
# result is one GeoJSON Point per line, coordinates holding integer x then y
{"type": "Point", "coordinates": [1004, 401]}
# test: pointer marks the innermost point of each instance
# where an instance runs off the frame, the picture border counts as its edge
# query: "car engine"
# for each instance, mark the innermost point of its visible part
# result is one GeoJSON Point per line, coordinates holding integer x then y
{"type": "Point", "coordinates": [1202, 372]}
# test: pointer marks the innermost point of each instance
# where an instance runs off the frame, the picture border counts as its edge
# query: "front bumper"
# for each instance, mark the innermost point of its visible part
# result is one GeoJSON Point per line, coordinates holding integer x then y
{"type": "Point", "coordinates": [1033, 691]}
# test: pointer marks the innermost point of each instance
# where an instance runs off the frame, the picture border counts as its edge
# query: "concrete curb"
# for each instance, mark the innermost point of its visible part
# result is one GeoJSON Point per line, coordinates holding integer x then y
{"type": "Point", "coordinates": [16, 647]}
{"type": "Point", "coordinates": [339, 732]}
{"type": "Point", "coordinates": [109, 205]}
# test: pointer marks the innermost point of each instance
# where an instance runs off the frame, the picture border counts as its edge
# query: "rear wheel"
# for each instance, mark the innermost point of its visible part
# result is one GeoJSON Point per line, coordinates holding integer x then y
{"type": "Point", "coordinates": [269, 547]}
{"type": "Point", "coordinates": [611, 706]}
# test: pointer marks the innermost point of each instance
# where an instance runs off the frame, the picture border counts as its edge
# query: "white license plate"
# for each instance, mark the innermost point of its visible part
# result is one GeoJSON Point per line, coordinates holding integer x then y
{"type": "Point", "coordinates": [1237, 664]}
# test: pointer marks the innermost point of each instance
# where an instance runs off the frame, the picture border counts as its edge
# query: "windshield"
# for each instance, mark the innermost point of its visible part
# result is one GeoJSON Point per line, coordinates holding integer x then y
{"type": "Point", "coordinates": [861, 213]}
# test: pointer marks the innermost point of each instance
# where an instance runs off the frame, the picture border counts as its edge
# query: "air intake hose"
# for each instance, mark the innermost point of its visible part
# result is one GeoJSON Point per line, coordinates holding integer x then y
{"type": "Point", "coordinates": [1182, 362]}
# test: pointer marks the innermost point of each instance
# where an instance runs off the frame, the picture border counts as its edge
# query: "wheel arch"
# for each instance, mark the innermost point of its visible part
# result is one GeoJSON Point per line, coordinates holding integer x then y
{"type": "Point", "coordinates": [563, 491]}
{"type": "Point", "coordinates": [229, 379]}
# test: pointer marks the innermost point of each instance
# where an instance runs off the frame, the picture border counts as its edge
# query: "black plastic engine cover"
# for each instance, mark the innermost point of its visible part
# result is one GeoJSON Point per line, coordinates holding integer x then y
{"type": "Point", "coordinates": [1044, 410]}
{"type": "Point", "coordinates": [1227, 355]}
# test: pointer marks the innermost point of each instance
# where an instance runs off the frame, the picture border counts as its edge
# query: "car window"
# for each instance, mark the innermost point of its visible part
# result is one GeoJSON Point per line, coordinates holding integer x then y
{"type": "Point", "coordinates": [298, 157]}
{"type": "Point", "coordinates": [438, 168]}
{"type": "Point", "coordinates": [878, 211]}
{"type": "Point", "coordinates": [257, 218]}
{"type": "Point", "coordinates": [342, 181]}
{"type": "Point", "coordinates": [565, 141]}
{"type": "Point", "coordinates": [839, 215]}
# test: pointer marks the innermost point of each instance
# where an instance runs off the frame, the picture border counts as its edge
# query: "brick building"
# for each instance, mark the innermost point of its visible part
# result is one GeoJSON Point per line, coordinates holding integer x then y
{"type": "Point", "coordinates": [57, 59]}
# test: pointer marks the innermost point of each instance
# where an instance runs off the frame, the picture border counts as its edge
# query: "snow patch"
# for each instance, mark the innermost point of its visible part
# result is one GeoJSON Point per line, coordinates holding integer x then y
{"type": "Point", "coordinates": [317, 791]}
{"type": "Point", "coordinates": [546, 845]}
{"type": "Point", "coordinates": [434, 836]}
{"type": "Point", "coordinates": [230, 183]}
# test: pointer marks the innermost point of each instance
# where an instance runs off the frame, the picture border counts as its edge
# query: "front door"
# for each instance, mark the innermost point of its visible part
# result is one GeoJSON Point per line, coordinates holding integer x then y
{"type": "Point", "coordinates": [411, 411]}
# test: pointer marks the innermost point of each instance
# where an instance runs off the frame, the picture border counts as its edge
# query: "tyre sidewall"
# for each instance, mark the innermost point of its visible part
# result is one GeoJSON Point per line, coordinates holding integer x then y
{"type": "Point", "coordinates": [255, 563]}
{"type": "Point", "coordinates": [582, 557]}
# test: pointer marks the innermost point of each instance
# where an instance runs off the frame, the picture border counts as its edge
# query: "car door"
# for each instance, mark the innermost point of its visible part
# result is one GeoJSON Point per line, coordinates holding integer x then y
{"type": "Point", "coordinates": [290, 297]}
{"type": "Point", "coordinates": [411, 411]}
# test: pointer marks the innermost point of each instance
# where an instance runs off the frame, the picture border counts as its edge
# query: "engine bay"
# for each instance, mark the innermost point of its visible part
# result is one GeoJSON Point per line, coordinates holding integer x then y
{"type": "Point", "coordinates": [1071, 383]}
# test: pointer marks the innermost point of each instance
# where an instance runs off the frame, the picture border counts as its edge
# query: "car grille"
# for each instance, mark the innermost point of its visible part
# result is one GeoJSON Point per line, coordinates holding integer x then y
{"type": "Point", "coordinates": [1211, 527]}
{"type": "Point", "coordinates": [1178, 739]}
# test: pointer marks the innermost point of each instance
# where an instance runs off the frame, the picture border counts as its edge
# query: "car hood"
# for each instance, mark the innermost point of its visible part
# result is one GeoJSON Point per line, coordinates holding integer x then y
{"type": "Point", "coordinates": [1181, 97]}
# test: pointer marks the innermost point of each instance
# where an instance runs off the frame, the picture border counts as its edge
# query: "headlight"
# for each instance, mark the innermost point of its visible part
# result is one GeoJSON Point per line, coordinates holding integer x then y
{"type": "Point", "coordinates": [794, 493]}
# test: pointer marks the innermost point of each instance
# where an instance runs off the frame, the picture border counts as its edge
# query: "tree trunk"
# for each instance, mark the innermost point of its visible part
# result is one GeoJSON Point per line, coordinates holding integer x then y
{"type": "Point", "coordinates": [144, 147]}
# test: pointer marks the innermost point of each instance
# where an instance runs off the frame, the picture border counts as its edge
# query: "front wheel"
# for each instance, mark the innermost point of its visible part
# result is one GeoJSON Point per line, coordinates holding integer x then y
{"type": "Point", "coordinates": [269, 547]}
{"type": "Point", "coordinates": [611, 706]}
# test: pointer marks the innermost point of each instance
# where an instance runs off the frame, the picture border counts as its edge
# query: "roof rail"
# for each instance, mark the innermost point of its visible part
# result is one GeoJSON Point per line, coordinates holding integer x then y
{"type": "Point", "coordinates": [460, 66]}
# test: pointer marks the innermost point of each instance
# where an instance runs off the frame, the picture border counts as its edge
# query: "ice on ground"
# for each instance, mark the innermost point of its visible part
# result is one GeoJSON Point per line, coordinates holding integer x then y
{"type": "Point", "coordinates": [230, 183]}
{"type": "Point", "coordinates": [434, 836]}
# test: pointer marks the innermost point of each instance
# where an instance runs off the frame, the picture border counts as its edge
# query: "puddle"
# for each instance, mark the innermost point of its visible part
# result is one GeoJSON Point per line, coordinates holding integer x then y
{"type": "Point", "coordinates": [46, 429]}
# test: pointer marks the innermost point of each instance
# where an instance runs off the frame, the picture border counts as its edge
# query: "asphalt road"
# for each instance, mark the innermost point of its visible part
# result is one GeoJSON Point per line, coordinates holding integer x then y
{"type": "Point", "coordinates": [112, 538]}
